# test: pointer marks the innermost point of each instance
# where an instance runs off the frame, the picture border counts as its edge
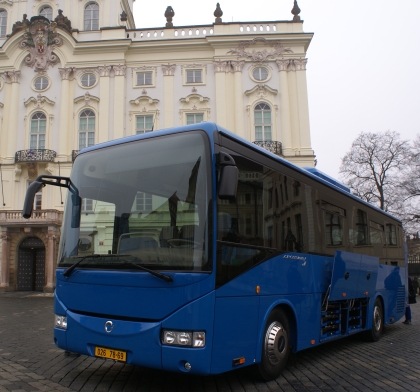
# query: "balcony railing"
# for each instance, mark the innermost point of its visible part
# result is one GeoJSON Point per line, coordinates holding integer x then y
{"type": "Point", "coordinates": [74, 154]}
{"type": "Point", "coordinates": [272, 146]}
{"type": "Point", "coordinates": [35, 156]}
{"type": "Point", "coordinates": [39, 217]}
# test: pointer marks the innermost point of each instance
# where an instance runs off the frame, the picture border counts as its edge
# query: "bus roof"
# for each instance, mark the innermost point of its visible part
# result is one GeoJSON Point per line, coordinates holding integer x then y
{"type": "Point", "coordinates": [211, 127]}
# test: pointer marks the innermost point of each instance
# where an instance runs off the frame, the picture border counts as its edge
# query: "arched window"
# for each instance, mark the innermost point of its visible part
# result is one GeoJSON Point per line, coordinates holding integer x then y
{"type": "Point", "coordinates": [86, 129]}
{"type": "Point", "coordinates": [3, 23]}
{"type": "Point", "coordinates": [262, 122]}
{"type": "Point", "coordinates": [38, 130]}
{"type": "Point", "coordinates": [92, 17]}
{"type": "Point", "coordinates": [46, 12]}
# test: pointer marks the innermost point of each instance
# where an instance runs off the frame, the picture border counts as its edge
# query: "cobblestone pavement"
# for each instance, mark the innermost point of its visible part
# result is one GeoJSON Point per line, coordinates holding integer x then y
{"type": "Point", "coordinates": [29, 361]}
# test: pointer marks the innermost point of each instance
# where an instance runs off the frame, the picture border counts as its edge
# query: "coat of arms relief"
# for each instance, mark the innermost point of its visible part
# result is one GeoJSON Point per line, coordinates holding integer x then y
{"type": "Point", "coordinates": [40, 39]}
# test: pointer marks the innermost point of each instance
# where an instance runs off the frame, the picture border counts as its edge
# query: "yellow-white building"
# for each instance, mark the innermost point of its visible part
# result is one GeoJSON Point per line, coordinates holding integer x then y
{"type": "Point", "coordinates": [77, 73]}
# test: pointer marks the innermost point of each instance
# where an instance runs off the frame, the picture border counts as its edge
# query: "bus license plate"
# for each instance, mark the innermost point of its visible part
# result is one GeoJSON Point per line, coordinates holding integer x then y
{"type": "Point", "coordinates": [116, 355]}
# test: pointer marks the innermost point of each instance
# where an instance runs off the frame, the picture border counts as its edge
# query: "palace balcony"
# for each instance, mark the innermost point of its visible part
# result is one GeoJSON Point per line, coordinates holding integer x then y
{"type": "Point", "coordinates": [38, 218]}
{"type": "Point", "coordinates": [272, 146]}
{"type": "Point", "coordinates": [34, 155]}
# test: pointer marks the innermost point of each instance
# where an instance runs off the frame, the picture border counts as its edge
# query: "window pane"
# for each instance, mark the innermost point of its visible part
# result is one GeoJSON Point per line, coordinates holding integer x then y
{"type": "Point", "coordinates": [91, 139]}
{"type": "Point", "coordinates": [33, 142]}
{"type": "Point", "coordinates": [41, 141]}
{"type": "Point", "coordinates": [83, 124]}
{"type": "Point", "coordinates": [258, 133]}
{"type": "Point", "coordinates": [267, 133]}
{"type": "Point", "coordinates": [258, 117]}
{"type": "Point", "coordinates": [3, 23]}
{"type": "Point", "coordinates": [82, 140]}
{"type": "Point", "coordinates": [91, 123]}
{"type": "Point", "coordinates": [267, 117]}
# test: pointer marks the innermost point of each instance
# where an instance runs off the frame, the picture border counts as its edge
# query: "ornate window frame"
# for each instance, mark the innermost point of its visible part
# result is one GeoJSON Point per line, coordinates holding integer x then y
{"type": "Point", "coordinates": [39, 104]}
{"type": "Point", "coordinates": [147, 69]}
{"type": "Point", "coordinates": [143, 106]}
{"type": "Point", "coordinates": [254, 67]}
{"type": "Point", "coordinates": [80, 73]}
{"type": "Point", "coordinates": [194, 67]}
{"type": "Point", "coordinates": [37, 77]}
{"type": "Point", "coordinates": [44, 5]}
{"type": "Point", "coordinates": [83, 8]}
{"type": "Point", "coordinates": [192, 104]}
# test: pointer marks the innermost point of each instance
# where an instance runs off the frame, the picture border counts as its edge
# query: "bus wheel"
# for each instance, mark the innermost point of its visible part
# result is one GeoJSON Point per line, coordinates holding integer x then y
{"type": "Point", "coordinates": [375, 332]}
{"type": "Point", "coordinates": [276, 346]}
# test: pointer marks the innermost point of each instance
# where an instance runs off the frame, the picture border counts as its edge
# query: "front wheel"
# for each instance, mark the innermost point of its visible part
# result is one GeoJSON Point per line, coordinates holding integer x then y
{"type": "Point", "coordinates": [276, 346]}
{"type": "Point", "coordinates": [375, 332]}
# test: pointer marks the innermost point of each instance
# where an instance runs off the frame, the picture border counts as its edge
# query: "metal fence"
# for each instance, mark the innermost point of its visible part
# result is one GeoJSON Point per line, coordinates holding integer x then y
{"type": "Point", "coordinates": [414, 265]}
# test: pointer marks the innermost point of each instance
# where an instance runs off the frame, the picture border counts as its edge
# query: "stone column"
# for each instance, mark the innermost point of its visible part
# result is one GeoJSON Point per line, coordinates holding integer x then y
{"type": "Point", "coordinates": [64, 131]}
{"type": "Point", "coordinates": [13, 109]}
{"type": "Point", "coordinates": [119, 100]}
{"type": "Point", "coordinates": [168, 93]}
{"type": "Point", "coordinates": [286, 129]}
{"type": "Point", "coordinates": [239, 128]}
{"type": "Point", "coordinates": [220, 68]}
{"type": "Point", "coordinates": [103, 125]}
{"type": "Point", "coordinates": [302, 95]}
{"type": "Point", "coordinates": [4, 279]}
{"type": "Point", "coordinates": [49, 262]}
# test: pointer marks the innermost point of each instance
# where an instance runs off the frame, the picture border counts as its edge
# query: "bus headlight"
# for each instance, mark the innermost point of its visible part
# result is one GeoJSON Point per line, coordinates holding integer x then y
{"type": "Point", "coordinates": [183, 338]}
{"type": "Point", "coordinates": [60, 322]}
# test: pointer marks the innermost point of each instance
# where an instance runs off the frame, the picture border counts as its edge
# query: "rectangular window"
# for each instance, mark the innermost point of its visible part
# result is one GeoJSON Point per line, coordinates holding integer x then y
{"type": "Point", "coordinates": [144, 124]}
{"type": "Point", "coordinates": [361, 228]}
{"type": "Point", "coordinates": [194, 76]}
{"type": "Point", "coordinates": [195, 118]}
{"type": "Point", "coordinates": [376, 233]}
{"type": "Point", "coordinates": [144, 79]}
{"type": "Point", "coordinates": [391, 234]}
{"type": "Point", "coordinates": [333, 229]}
{"type": "Point", "coordinates": [87, 205]}
{"type": "Point", "coordinates": [143, 202]}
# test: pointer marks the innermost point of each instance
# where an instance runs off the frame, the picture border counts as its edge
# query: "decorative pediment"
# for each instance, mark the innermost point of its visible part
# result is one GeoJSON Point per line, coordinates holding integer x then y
{"type": "Point", "coordinates": [144, 100]}
{"type": "Point", "coordinates": [39, 102]}
{"type": "Point", "coordinates": [194, 98]}
{"type": "Point", "coordinates": [261, 90]}
{"type": "Point", "coordinates": [261, 56]}
{"type": "Point", "coordinates": [40, 39]}
{"type": "Point", "coordinates": [86, 99]}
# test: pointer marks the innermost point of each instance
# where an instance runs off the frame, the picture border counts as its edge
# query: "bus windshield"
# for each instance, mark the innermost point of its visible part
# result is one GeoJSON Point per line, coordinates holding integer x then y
{"type": "Point", "coordinates": [145, 201]}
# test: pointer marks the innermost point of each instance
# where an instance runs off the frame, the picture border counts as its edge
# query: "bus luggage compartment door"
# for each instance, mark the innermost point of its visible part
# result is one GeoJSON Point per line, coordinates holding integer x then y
{"type": "Point", "coordinates": [354, 276]}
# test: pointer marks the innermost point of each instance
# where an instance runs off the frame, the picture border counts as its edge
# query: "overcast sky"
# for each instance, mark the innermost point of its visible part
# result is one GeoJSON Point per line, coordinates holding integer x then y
{"type": "Point", "coordinates": [363, 68]}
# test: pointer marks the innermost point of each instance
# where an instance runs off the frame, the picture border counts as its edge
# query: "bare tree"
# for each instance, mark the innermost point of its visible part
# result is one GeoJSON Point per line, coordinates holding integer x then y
{"type": "Point", "coordinates": [372, 167]}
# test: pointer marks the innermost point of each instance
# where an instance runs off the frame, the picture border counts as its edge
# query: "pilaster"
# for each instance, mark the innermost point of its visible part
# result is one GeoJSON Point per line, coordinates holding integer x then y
{"type": "Point", "coordinates": [64, 129]}
{"type": "Point", "coordinates": [168, 92]}
{"type": "Point", "coordinates": [4, 278]}
{"type": "Point", "coordinates": [239, 98]}
{"type": "Point", "coordinates": [285, 121]}
{"type": "Point", "coordinates": [13, 109]}
{"type": "Point", "coordinates": [104, 109]}
{"type": "Point", "coordinates": [119, 100]}
{"type": "Point", "coordinates": [220, 68]}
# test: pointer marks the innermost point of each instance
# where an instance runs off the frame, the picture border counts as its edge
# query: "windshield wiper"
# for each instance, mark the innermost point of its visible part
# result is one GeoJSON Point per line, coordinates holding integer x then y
{"type": "Point", "coordinates": [69, 270]}
{"type": "Point", "coordinates": [166, 278]}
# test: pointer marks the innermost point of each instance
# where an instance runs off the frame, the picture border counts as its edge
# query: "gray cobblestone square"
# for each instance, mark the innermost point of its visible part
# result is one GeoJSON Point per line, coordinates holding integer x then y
{"type": "Point", "coordinates": [29, 361]}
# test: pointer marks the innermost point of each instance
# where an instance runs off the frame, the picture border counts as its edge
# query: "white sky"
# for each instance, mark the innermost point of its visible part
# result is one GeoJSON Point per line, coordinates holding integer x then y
{"type": "Point", "coordinates": [363, 69]}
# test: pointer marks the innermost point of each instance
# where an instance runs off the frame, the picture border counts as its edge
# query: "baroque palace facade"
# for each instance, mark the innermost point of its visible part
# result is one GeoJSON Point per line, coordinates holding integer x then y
{"type": "Point", "coordinates": [77, 73]}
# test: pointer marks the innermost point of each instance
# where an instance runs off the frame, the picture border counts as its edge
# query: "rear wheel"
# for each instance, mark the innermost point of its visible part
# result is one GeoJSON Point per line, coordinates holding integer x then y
{"type": "Point", "coordinates": [276, 346]}
{"type": "Point", "coordinates": [375, 332]}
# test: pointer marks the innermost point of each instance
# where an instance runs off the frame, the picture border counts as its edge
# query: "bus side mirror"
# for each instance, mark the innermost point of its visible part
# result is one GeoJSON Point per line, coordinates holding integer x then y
{"type": "Point", "coordinates": [228, 182]}
{"type": "Point", "coordinates": [29, 198]}
{"type": "Point", "coordinates": [76, 202]}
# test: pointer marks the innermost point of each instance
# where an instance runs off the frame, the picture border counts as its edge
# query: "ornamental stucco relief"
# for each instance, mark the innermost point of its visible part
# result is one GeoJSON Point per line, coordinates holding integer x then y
{"type": "Point", "coordinates": [262, 56]}
{"type": "Point", "coordinates": [40, 39]}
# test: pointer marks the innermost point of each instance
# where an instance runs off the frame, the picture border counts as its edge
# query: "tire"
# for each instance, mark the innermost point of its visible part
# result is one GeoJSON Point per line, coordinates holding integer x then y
{"type": "Point", "coordinates": [375, 332]}
{"type": "Point", "coordinates": [276, 346]}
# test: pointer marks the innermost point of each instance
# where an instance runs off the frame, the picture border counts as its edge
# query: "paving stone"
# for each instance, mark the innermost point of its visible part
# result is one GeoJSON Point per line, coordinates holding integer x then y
{"type": "Point", "coordinates": [29, 361]}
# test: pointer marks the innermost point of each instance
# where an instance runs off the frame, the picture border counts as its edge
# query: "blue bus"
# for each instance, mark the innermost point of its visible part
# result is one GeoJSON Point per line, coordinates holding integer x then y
{"type": "Point", "coordinates": [193, 250]}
